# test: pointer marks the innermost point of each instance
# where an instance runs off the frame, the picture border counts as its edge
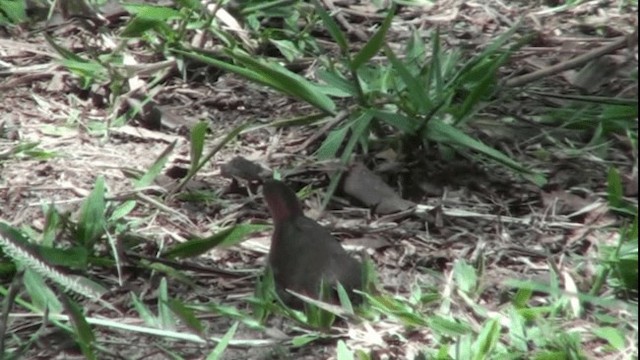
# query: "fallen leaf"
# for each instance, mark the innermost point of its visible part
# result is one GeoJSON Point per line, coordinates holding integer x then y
{"type": "Point", "coordinates": [372, 191]}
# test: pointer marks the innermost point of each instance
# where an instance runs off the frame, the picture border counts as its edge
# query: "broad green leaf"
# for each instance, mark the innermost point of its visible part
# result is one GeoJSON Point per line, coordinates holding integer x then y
{"type": "Point", "coordinates": [518, 331]}
{"type": "Point", "coordinates": [190, 4]}
{"type": "Point", "coordinates": [343, 351]}
{"type": "Point", "coordinates": [287, 48]}
{"type": "Point", "coordinates": [465, 276]}
{"type": "Point", "coordinates": [73, 257]}
{"type": "Point", "coordinates": [522, 297]}
{"type": "Point", "coordinates": [12, 11]}
{"type": "Point", "coordinates": [612, 335]}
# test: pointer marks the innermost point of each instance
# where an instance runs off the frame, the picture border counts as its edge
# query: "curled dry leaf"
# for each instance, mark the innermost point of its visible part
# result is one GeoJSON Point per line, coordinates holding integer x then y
{"type": "Point", "coordinates": [373, 192]}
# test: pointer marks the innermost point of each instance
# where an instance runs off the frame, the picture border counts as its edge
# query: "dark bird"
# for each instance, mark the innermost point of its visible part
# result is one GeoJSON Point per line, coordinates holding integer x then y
{"type": "Point", "coordinates": [304, 254]}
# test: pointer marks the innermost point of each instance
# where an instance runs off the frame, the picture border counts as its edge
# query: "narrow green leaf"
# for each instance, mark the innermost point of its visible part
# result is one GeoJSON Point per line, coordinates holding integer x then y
{"type": "Point", "coordinates": [332, 27]}
{"type": "Point", "coordinates": [122, 210]}
{"type": "Point", "coordinates": [66, 54]}
{"type": "Point", "coordinates": [92, 222]}
{"type": "Point", "coordinates": [198, 134]}
{"type": "Point", "coordinates": [337, 85]}
{"type": "Point", "coordinates": [144, 312]}
{"type": "Point", "coordinates": [288, 82]}
{"type": "Point", "coordinates": [138, 26]}
{"type": "Point", "coordinates": [416, 90]}
{"type": "Point", "coordinates": [82, 331]}
{"type": "Point", "coordinates": [53, 222]}
{"type": "Point", "coordinates": [438, 131]}
{"type": "Point", "coordinates": [152, 12]}
{"type": "Point", "coordinates": [224, 343]}
{"type": "Point", "coordinates": [487, 340]}
{"type": "Point", "coordinates": [165, 315]}
{"type": "Point", "coordinates": [399, 121]}
{"type": "Point", "coordinates": [359, 130]}
{"type": "Point", "coordinates": [615, 192]}
{"type": "Point", "coordinates": [436, 69]}
{"type": "Point", "coordinates": [344, 299]}
{"type": "Point", "coordinates": [302, 340]}
{"type": "Point", "coordinates": [480, 90]}
{"type": "Point", "coordinates": [186, 315]}
{"type": "Point", "coordinates": [371, 48]}
{"type": "Point", "coordinates": [156, 168]}
{"type": "Point", "coordinates": [332, 143]}
{"type": "Point", "coordinates": [42, 297]}
{"type": "Point", "coordinates": [271, 75]}
{"type": "Point", "coordinates": [251, 75]}
{"type": "Point", "coordinates": [227, 237]}
{"type": "Point", "coordinates": [89, 71]}
{"type": "Point", "coordinates": [448, 327]}
{"type": "Point", "coordinates": [193, 170]}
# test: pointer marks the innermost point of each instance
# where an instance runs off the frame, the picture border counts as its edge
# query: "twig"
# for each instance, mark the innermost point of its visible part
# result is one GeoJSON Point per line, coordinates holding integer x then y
{"type": "Point", "coordinates": [629, 40]}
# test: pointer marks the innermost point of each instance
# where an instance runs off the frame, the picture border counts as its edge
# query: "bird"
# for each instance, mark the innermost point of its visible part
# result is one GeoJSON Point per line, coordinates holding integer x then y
{"type": "Point", "coordinates": [304, 255]}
